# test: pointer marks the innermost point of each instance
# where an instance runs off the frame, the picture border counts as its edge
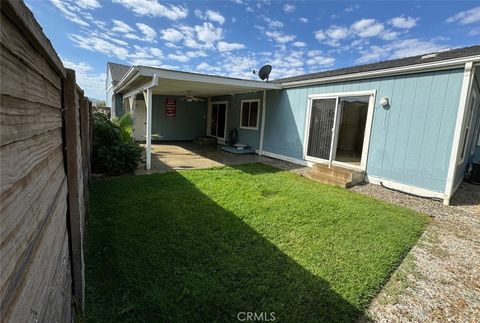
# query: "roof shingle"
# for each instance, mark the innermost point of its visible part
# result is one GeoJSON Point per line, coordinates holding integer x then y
{"type": "Point", "coordinates": [117, 70]}
{"type": "Point", "coordinates": [413, 60]}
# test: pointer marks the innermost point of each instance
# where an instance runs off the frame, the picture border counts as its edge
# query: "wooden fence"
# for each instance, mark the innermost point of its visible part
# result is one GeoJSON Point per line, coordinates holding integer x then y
{"type": "Point", "coordinates": [45, 136]}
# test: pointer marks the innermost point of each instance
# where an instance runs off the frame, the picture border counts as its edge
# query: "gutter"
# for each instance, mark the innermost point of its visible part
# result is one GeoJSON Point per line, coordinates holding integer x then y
{"type": "Point", "coordinates": [131, 74]}
{"type": "Point", "coordinates": [425, 67]}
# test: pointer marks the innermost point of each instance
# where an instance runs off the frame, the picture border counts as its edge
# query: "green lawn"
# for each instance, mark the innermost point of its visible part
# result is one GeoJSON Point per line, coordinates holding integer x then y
{"type": "Point", "coordinates": [203, 245]}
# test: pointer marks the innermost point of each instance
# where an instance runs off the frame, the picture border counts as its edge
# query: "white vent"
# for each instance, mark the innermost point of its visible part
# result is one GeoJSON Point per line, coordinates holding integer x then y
{"type": "Point", "coordinates": [432, 55]}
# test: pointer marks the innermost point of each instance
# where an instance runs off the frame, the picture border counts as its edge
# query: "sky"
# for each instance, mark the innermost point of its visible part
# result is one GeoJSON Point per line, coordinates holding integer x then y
{"type": "Point", "coordinates": [232, 38]}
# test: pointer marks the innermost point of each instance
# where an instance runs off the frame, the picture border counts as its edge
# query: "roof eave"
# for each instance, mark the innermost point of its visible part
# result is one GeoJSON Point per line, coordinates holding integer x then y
{"type": "Point", "coordinates": [408, 69]}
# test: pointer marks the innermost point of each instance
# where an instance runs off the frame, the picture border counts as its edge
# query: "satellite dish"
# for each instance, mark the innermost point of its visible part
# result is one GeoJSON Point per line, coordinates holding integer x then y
{"type": "Point", "coordinates": [264, 72]}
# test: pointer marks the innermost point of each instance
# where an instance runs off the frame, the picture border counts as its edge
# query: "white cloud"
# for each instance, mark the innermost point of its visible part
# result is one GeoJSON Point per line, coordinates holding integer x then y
{"type": "Point", "coordinates": [273, 24]}
{"type": "Point", "coordinates": [121, 27]}
{"type": "Point", "coordinates": [227, 47]}
{"type": "Point", "coordinates": [313, 53]}
{"type": "Point", "coordinates": [367, 28]}
{"type": "Point", "coordinates": [337, 32]}
{"type": "Point", "coordinates": [466, 17]}
{"type": "Point", "coordinates": [280, 37]}
{"type": "Point", "coordinates": [97, 44]}
{"type": "Point", "coordinates": [149, 33]}
{"type": "Point", "coordinates": [403, 22]}
{"type": "Point", "coordinates": [288, 8]}
{"type": "Point", "coordinates": [195, 54]}
{"type": "Point", "coordinates": [303, 20]}
{"type": "Point", "coordinates": [320, 35]}
{"type": "Point", "coordinates": [154, 9]}
{"type": "Point", "coordinates": [332, 35]}
{"type": "Point", "coordinates": [321, 60]}
{"type": "Point", "coordinates": [299, 44]}
{"type": "Point", "coordinates": [93, 84]}
{"type": "Point", "coordinates": [399, 49]}
{"type": "Point", "coordinates": [88, 4]}
{"type": "Point", "coordinates": [215, 16]}
{"type": "Point", "coordinates": [390, 35]}
{"type": "Point", "coordinates": [171, 35]}
{"type": "Point", "coordinates": [146, 62]}
{"type": "Point", "coordinates": [208, 33]}
{"type": "Point", "coordinates": [352, 8]}
{"type": "Point", "coordinates": [179, 57]}
{"type": "Point", "coordinates": [71, 12]}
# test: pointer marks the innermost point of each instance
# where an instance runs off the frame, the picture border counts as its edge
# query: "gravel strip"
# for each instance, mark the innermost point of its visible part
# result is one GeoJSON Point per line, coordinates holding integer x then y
{"type": "Point", "coordinates": [439, 280]}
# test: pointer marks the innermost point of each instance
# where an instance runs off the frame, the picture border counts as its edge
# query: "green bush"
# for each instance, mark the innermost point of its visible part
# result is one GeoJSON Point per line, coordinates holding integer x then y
{"type": "Point", "coordinates": [114, 151]}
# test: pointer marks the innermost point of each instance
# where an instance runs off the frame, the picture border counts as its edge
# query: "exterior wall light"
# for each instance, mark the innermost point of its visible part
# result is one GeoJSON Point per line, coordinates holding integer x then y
{"type": "Point", "coordinates": [384, 103]}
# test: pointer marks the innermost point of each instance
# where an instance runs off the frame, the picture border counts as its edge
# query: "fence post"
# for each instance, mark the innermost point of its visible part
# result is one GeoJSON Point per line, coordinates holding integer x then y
{"type": "Point", "coordinates": [75, 179]}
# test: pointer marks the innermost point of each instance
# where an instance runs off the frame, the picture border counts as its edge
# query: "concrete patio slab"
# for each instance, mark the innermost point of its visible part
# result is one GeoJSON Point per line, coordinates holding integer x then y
{"type": "Point", "coordinates": [187, 155]}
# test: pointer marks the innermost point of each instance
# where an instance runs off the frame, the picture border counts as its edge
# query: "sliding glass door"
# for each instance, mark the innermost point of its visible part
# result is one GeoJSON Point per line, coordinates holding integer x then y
{"type": "Point", "coordinates": [337, 128]}
{"type": "Point", "coordinates": [218, 117]}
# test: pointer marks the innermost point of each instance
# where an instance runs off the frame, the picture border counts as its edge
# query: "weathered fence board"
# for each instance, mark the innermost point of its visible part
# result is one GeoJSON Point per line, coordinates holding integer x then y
{"type": "Point", "coordinates": [71, 100]}
{"type": "Point", "coordinates": [15, 42]}
{"type": "Point", "coordinates": [20, 119]}
{"type": "Point", "coordinates": [19, 80]}
{"type": "Point", "coordinates": [45, 149]}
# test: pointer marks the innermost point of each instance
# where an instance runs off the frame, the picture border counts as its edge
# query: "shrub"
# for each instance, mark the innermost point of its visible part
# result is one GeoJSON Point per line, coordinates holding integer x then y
{"type": "Point", "coordinates": [114, 151]}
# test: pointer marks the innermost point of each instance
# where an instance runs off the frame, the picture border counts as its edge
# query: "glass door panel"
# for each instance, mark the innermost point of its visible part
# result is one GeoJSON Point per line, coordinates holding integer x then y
{"type": "Point", "coordinates": [322, 118]}
{"type": "Point", "coordinates": [222, 113]}
{"type": "Point", "coordinates": [350, 132]}
{"type": "Point", "coordinates": [213, 120]}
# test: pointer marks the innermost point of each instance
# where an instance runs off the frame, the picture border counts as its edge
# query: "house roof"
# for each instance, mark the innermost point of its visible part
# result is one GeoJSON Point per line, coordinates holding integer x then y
{"type": "Point", "coordinates": [117, 70]}
{"type": "Point", "coordinates": [407, 61]}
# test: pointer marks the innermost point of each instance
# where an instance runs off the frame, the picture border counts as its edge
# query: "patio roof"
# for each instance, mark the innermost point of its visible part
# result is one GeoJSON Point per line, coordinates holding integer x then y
{"type": "Point", "coordinates": [169, 82]}
{"type": "Point", "coordinates": [151, 80]}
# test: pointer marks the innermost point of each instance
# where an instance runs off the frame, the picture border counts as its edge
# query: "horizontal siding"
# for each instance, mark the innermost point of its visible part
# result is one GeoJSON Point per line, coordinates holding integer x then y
{"type": "Point", "coordinates": [410, 142]}
{"type": "Point", "coordinates": [245, 136]}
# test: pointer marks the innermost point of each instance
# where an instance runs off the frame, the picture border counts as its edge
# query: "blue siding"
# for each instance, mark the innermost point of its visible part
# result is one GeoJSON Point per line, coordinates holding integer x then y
{"type": "Point", "coordinates": [117, 105]}
{"type": "Point", "coordinates": [189, 123]}
{"type": "Point", "coordinates": [245, 136]}
{"type": "Point", "coordinates": [410, 142]}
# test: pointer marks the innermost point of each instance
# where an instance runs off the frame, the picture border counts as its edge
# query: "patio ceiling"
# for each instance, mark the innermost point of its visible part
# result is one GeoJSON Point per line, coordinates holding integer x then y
{"type": "Point", "coordinates": [177, 83]}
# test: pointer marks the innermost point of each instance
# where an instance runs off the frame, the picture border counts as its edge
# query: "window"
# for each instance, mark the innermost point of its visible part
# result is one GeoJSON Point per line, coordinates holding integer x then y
{"type": "Point", "coordinates": [249, 114]}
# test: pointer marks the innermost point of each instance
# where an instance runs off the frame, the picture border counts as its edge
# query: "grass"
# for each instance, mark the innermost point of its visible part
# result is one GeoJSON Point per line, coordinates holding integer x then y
{"type": "Point", "coordinates": [204, 245]}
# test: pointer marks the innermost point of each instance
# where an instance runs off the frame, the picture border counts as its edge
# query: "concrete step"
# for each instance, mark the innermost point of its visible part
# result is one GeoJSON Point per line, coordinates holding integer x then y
{"type": "Point", "coordinates": [339, 172]}
{"type": "Point", "coordinates": [326, 179]}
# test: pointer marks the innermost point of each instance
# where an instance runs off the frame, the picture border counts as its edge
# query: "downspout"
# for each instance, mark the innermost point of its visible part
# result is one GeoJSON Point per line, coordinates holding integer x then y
{"type": "Point", "coordinates": [262, 129]}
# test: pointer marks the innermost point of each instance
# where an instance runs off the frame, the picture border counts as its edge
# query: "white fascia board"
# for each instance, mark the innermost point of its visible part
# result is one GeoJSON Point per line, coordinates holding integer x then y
{"type": "Point", "coordinates": [203, 78]}
{"type": "Point", "coordinates": [131, 74]}
{"type": "Point", "coordinates": [440, 65]}
{"type": "Point", "coordinates": [457, 136]}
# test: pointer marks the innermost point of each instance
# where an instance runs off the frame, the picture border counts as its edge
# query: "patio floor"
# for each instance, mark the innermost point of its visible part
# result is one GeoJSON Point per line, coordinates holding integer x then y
{"type": "Point", "coordinates": [189, 155]}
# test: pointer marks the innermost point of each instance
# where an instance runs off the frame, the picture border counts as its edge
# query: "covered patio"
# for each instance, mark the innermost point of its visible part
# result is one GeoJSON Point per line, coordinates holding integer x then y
{"type": "Point", "coordinates": [188, 155]}
{"type": "Point", "coordinates": [142, 82]}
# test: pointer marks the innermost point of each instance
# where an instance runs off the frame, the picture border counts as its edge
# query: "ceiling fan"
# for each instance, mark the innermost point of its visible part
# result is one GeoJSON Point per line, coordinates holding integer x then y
{"type": "Point", "coordinates": [190, 98]}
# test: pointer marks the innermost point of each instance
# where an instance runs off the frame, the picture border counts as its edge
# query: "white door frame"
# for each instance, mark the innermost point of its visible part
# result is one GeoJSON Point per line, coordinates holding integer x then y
{"type": "Point", "coordinates": [209, 119]}
{"type": "Point", "coordinates": [368, 128]}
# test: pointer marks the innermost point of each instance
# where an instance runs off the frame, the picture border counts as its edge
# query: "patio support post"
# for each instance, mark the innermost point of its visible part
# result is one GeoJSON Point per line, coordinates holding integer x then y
{"type": "Point", "coordinates": [148, 103]}
{"type": "Point", "coordinates": [262, 129]}
{"type": "Point", "coordinates": [131, 101]}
